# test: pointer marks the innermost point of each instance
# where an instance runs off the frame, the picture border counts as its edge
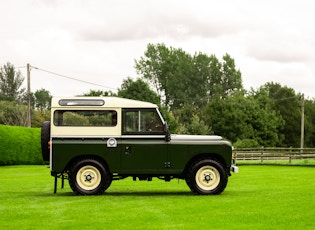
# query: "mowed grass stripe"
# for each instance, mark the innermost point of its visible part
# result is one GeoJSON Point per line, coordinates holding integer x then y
{"type": "Point", "coordinates": [260, 197]}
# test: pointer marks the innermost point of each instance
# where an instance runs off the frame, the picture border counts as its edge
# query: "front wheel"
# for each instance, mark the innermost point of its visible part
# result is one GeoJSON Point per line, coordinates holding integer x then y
{"type": "Point", "coordinates": [207, 177]}
{"type": "Point", "coordinates": [89, 177]}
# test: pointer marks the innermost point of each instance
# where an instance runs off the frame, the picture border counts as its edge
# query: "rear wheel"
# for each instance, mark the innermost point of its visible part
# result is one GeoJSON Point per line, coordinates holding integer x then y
{"type": "Point", "coordinates": [207, 176]}
{"type": "Point", "coordinates": [89, 177]}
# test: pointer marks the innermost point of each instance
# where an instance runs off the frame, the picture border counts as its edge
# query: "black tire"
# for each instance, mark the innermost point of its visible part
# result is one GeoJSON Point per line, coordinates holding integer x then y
{"type": "Point", "coordinates": [207, 177]}
{"type": "Point", "coordinates": [45, 138]}
{"type": "Point", "coordinates": [89, 177]}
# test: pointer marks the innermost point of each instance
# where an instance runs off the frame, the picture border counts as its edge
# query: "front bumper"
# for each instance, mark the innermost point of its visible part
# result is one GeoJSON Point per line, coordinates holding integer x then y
{"type": "Point", "coordinates": [234, 169]}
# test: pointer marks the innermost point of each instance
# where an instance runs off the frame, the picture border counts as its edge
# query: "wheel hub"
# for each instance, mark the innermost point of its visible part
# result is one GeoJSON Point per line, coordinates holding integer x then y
{"type": "Point", "coordinates": [207, 178]}
{"type": "Point", "coordinates": [88, 178]}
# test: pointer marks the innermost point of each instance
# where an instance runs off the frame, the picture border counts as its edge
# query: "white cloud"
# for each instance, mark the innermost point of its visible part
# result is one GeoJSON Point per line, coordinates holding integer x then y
{"type": "Point", "coordinates": [98, 40]}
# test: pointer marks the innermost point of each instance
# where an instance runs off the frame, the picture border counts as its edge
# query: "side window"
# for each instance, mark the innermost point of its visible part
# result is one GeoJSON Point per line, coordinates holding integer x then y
{"type": "Point", "coordinates": [142, 121]}
{"type": "Point", "coordinates": [106, 118]}
{"type": "Point", "coordinates": [131, 122]}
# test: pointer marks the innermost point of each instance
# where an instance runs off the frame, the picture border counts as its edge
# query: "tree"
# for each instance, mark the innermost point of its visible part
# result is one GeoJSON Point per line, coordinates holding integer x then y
{"type": "Point", "coordinates": [39, 116]}
{"type": "Point", "coordinates": [41, 104]}
{"type": "Point", "coordinates": [180, 78]}
{"type": "Point", "coordinates": [98, 93]}
{"type": "Point", "coordinates": [288, 104]}
{"type": "Point", "coordinates": [221, 79]}
{"type": "Point", "coordinates": [196, 127]}
{"type": "Point", "coordinates": [228, 118]}
{"type": "Point", "coordinates": [309, 138]}
{"type": "Point", "coordinates": [10, 83]}
{"type": "Point", "coordinates": [42, 99]}
{"type": "Point", "coordinates": [231, 78]}
{"type": "Point", "coordinates": [138, 90]}
{"type": "Point", "coordinates": [165, 68]}
{"type": "Point", "coordinates": [12, 113]}
{"type": "Point", "coordinates": [238, 118]}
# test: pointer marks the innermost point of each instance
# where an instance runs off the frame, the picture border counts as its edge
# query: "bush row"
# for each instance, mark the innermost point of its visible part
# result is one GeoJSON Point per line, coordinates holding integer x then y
{"type": "Point", "coordinates": [20, 146]}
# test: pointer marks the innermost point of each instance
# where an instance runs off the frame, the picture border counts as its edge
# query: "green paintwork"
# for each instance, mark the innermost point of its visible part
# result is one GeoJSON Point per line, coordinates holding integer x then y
{"type": "Point", "coordinates": [181, 153]}
{"type": "Point", "coordinates": [65, 150]}
{"type": "Point", "coordinates": [138, 155]}
{"type": "Point", "coordinates": [143, 156]}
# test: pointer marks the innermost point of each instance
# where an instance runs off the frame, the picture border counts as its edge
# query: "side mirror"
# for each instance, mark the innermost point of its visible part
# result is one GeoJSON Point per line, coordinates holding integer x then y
{"type": "Point", "coordinates": [167, 132]}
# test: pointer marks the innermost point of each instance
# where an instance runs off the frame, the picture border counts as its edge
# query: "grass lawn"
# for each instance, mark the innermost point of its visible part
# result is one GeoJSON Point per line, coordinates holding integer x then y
{"type": "Point", "coordinates": [259, 197]}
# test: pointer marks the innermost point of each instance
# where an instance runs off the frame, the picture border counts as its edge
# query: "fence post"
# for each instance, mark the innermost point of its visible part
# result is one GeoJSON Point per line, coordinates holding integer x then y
{"type": "Point", "coordinates": [262, 155]}
{"type": "Point", "coordinates": [290, 155]}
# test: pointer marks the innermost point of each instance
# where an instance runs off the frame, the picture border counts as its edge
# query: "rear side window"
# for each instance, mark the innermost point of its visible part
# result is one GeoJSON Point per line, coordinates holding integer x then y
{"type": "Point", "coordinates": [98, 118]}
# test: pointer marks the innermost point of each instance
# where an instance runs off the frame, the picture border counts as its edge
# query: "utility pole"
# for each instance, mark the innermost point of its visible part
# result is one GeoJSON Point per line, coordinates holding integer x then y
{"type": "Point", "coordinates": [302, 123]}
{"type": "Point", "coordinates": [29, 95]}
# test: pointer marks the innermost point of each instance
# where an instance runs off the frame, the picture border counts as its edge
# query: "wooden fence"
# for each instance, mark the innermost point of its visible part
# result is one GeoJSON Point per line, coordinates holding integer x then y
{"type": "Point", "coordinates": [293, 156]}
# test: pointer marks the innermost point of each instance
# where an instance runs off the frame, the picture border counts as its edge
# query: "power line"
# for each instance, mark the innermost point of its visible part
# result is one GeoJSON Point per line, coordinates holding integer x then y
{"type": "Point", "coordinates": [223, 101]}
{"type": "Point", "coordinates": [188, 101]}
{"type": "Point", "coordinates": [73, 78]}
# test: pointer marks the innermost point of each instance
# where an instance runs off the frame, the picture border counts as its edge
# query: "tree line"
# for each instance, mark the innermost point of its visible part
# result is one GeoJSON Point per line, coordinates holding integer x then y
{"type": "Point", "coordinates": [14, 100]}
{"type": "Point", "coordinates": [197, 94]}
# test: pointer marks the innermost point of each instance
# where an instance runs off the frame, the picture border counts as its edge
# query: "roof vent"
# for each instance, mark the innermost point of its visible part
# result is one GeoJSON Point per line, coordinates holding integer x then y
{"type": "Point", "coordinates": [81, 102]}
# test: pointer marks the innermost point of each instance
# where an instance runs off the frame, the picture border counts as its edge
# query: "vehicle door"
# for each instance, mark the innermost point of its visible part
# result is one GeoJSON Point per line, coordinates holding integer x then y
{"type": "Point", "coordinates": [144, 148]}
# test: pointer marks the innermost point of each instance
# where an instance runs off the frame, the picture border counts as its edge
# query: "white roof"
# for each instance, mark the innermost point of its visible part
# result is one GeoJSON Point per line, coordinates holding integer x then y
{"type": "Point", "coordinates": [111, 102]}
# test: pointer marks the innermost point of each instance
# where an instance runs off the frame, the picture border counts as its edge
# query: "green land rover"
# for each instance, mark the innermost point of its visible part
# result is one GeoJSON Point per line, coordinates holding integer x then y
{"type": "Point", "coordinates": [92, 141]}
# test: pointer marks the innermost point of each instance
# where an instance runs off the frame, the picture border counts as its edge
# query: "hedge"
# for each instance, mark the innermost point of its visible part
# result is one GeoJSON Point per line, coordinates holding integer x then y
{"type": "Point", "coordinates": [20, 146]}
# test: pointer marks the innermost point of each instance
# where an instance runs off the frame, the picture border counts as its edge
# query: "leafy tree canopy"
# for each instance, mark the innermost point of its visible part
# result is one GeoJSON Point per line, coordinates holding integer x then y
{"type": "Point", "coordinates": [12, 113]}
{"type": "Point", "coordinates": [97, 93]}
{"type": "Point", "coordinates": [42, 99]}
{"type": "Point", "coordinates": [10, 83]}
{"type": "Point", "coordinates": [287, 103]}
{"type": "Point", "coordinates": [180, 78]}
{"type": "Point", "coordinates": [239, 117]}
{"type": "Point", "coordinates": [138, 90]}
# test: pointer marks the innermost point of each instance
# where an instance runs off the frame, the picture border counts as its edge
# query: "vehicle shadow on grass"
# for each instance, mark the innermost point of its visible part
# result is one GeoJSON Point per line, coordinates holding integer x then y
{"type": "Point", "coordinates": [161, 193]}
{"type": "Point", "coordinates": [150, 193]}
{"type": "Point", "coordinates": [116, 194]}
{"type": "Point", "coordinates": [65, 194]}
{"type": "Point", "coordinates": [138, 193]}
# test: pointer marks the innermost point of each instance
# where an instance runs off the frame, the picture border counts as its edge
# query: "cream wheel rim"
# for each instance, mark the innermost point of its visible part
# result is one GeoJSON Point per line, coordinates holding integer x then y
{"type": "Point", "coordinates": [88, 177]}
{"type": "Point", "coordinates": [207, 177]}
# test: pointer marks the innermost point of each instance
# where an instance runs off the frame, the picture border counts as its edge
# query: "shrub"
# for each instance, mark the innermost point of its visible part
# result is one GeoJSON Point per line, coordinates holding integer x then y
{"type": "Point", "coordinates": [20, 146]}
{"type": "Point", "coordinates": [246, 143]}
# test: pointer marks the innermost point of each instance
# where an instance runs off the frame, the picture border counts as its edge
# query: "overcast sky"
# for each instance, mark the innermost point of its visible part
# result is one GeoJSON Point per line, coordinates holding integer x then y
{"type": "Point", "coordinates": [98, 40]}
